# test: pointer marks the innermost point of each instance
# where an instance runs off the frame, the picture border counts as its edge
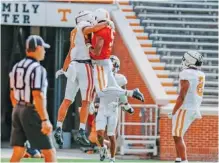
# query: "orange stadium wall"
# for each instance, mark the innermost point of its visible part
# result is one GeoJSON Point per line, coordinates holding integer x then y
{"type": "Point", "coordinates": [201, 139]}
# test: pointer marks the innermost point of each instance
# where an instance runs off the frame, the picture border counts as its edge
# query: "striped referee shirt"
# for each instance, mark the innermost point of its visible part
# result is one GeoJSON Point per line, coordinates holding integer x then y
{"type": "Point", "coordinates": [26, 76]}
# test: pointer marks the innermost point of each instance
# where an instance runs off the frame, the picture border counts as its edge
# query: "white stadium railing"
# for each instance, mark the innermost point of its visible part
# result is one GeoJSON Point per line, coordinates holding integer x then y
{"type": "Point", "coordinates": [144, 142]}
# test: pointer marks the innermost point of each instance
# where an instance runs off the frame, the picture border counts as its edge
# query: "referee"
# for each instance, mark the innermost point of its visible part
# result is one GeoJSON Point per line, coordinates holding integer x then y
{"type": "Point", "coordinates": [30, 119]}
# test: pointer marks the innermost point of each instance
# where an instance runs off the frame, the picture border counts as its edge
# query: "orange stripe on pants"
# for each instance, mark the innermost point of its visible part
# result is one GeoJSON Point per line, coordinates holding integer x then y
{"type": "Point", "coordinates": [182, 123]}
{"type": "Point", "coordinates": [89, 81]}
{"type": "Point", "coordinates": [103, 77]}
{"type": "Point", "coordinates": [177, 121]}
{"type": "Point", "coordinates": [92, 84]}
{"type": "Point", "coordinates": [99, 78]}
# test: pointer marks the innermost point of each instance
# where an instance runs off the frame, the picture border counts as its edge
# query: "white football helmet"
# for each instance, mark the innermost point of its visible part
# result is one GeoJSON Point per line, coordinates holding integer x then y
{"type": "Point", "coordinates": [86, 16]}
{"type": "Point", "coordinates": [192, 59]}
{"type": "Point", "coordinates": [101, 14]}
{"type": "Point", "coordinates": [115, 62]}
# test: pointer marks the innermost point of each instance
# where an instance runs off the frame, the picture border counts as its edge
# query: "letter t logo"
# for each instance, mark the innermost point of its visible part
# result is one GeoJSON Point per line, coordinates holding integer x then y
{"type": "Point", "coordinates": [64, 13]}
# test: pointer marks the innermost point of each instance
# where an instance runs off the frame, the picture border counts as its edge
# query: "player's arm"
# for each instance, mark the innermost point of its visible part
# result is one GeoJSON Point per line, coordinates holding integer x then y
{"type": "Point", "coordinates": [67, 61]}
{"type": "Point", "coordinates": [91, 29]}
{"type": "Point", "coordinates": [98, 47]}
{"type": "Point", "coordinates": [184, 85]}
{"type": "Point", "coordinates": [72, 45]}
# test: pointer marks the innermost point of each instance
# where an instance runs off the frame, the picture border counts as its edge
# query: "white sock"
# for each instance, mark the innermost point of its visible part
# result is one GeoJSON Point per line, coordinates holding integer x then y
{"type": "Point", "coordinates": [82, 126]}
{"type": "Point", "coordinates": [178, 159]}
{"type": "Point", "coordinates": [129, 93]}
{"type": "Point", "coordinates": [185, 161]}
{"type": "Point", "coordinates": [59, 124]}
{"type": "Point", "coordinates": [112, 158]}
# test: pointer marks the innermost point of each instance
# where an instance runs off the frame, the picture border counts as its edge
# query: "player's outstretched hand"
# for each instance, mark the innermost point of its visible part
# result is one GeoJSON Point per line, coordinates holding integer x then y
{"type": "Point", "coordinates": [59, 72]}
{"type": "Point", "coordinates": [138, 95]}
{"type": "Point", "coordinates": [46, 127]}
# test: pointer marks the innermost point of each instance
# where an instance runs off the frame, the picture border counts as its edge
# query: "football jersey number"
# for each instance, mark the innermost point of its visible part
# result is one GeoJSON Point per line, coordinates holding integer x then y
{"type": "Point", "coordinates": [112, 38]}
{"type": "Point", "coordinates": [72, 39]}
{"type": "Point", "coordinates": [200, 86]}
{"type": "Point", "coordinates": [19, 78]}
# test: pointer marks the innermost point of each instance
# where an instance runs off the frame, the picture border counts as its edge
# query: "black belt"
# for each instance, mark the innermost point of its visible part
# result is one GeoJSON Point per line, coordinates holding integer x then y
{"type": "Point", "coordinates": [25, 103]}
{"type": "Point", "coordinates": [88, 61]}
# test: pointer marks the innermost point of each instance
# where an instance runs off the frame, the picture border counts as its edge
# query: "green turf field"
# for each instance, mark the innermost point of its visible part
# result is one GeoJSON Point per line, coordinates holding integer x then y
{"type": "Point", "coordinates": [85, 161]}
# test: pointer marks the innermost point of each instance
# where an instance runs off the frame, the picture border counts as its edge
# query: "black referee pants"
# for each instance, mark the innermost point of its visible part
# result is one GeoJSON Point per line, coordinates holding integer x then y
{"type": "Point", "coordinates": [26, 125]}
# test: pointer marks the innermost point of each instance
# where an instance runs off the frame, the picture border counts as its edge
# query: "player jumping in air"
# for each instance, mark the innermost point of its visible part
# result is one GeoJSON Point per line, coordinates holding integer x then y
{"type": "Point", "coordinates": [78, 70]}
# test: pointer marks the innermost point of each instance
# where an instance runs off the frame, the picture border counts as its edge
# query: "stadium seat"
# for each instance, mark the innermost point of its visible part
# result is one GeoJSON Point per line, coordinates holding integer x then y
{"type": "Point", "coordinates": [172, 28]}
{"type": "Point", "coordinates": [170, 16]}
{"type": "Point", "coordinates": [179, 58]}
{"type": "Point", "coordinates": [186, 43]}
{"type": "Point", "coordinates": [142, 36]}
{"type": "Point", "coordinates": [180, 36]}
{"type": "Point", "coordinates": [181, 29]}
{"type": "Point", "coordinates": [174, 9]}
{"type": "Point", "coordinates": [215, 52]}
{"type": "Point", "coordinates": [201, 23]}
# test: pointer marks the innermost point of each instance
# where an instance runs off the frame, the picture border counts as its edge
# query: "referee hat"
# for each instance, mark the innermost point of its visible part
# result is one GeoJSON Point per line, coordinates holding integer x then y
{"type": "Point", "coordinates": [33, 41]}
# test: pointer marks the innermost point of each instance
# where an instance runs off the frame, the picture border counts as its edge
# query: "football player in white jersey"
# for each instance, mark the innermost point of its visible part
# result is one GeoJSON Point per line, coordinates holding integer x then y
{"type": "Point", "coordinates": [110, 102]}
{"type": "Point", "coordinates": [122, 82]}
{"type": "Point", "coordinates": [78, 70]}
{"type": "Point", "coordinates": [188, 103]}
{"type": "Point", "coordinates": [108, 115]}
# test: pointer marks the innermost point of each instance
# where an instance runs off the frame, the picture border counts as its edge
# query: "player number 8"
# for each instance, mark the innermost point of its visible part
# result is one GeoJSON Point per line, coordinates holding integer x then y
{"type": "Point", "coordinates": [200, 86]}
